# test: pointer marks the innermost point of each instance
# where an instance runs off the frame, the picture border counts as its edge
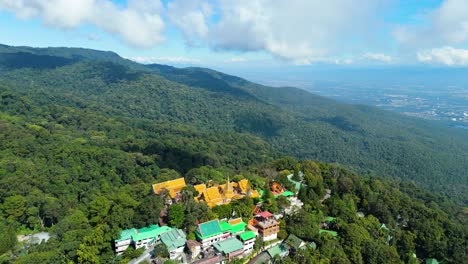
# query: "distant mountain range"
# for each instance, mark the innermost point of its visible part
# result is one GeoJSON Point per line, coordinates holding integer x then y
{"type": "Point", "coordinates": [292, 121]}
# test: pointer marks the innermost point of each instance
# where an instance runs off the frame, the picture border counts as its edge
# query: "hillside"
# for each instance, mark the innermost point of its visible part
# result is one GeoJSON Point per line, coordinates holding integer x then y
{"type": "Point", "coordinates": [83, 140]}
{"type": "Point", "coordinates": [292, 121]}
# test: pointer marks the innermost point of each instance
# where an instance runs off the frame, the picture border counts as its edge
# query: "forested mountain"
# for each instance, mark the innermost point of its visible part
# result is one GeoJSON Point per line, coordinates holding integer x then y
{"type": "Point", "coordinates": [84, 134]}
{"type": "Point", "coordinates": [294, 122]}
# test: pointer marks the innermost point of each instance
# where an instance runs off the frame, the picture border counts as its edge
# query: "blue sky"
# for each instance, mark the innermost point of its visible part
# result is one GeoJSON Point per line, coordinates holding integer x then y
{"type": "Point", "coordinates": [248, 34]}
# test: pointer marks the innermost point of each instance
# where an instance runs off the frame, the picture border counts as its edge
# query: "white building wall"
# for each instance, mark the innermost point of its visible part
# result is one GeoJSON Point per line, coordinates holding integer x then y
{"type": "Point", "coordinates": [176, 253]}
{"type": "Point", "coordinates": [270, 237]}
{"type": "Point", "coordinates": [248, 246]}
{"type": "Point", "coordinates": [121, 246]}
{"type": "Point", "coordinates": [210, 241]}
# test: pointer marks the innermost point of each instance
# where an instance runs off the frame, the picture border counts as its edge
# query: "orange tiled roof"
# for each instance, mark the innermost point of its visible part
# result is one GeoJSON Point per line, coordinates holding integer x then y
{"type": "Point", "coordinates": [235, 221]}
{"type": "Point", "coordinates": [212, 196]}
{"type": "Point", "coordinates": [243, 185]}
{"type": "Point", "coordinates": [200, 188]}
{"type": "Point", "coordinates": [173, 186]}
{"type": "Point", "coordinates": [254, 194]}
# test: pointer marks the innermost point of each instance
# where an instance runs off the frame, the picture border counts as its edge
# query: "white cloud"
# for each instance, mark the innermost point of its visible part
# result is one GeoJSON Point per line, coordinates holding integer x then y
{"type": "Point", "coordinates": [445, 25]}
{"type": "Point", "coordinates": [191, 17]}
{"type": "Point", "coordinates": [139, 23]}
{"type": "Point", "coordinates": [378, 57]}
{"type": "Point", "coordinates": [93, 37]}
{"type": "Point", "coordinates": [303, 31]}
{"type": "Point", "coordinates": [445, 55]}
{"type": "Point", "coordinates": [343, 61]}
{"type": "Point", "coordinates": [236, 60]}
{"type": "Point", "coordinates": [165, 60]}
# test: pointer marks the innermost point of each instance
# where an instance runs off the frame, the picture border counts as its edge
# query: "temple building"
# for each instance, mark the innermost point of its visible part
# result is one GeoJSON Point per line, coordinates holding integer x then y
{"type": "Point", "coordinates": [172, 187]}
{"type": "Point", "coordinates": [225, 193]}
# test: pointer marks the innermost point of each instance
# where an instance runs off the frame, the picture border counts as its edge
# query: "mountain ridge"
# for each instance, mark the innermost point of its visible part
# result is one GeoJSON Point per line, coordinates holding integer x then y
{"type": "Point", "coordinates": [292, 120]}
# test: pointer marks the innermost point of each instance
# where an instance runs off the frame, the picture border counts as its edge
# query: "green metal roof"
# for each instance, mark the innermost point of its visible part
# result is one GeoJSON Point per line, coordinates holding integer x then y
{"type": "Point", "coordinates": [384, 227]}
{"type": "Point", "coordinates": [286, 194]}
{"type": "Point", "coordinates": [126, 234]}
{"type": "Point", "coordinates": [174, 239]}
{"type": "Point", "coordinates": [432, 261]}
{"type": "Point", "coordinates": [238, 228]}
{"type": "Point", "coordinates": [331, 219]}
{"type": "Point", "coordinates": [208, 229]}
{"type": "Point", "coordinates": [332, 233]}
{"type": "Point", "coordinates": [150, 232]}
{"type": "Point", "coordinates": [229, 245]}
{"type": "Point", "coordinates": [313, 245]}
{"type": "Point", "coordinates": [294, 241]}
{"type": "Point", "coordinates": [276, 250]}
{"type": "Point", "coordinates": [225, 226]}
{"type": "Point", "coordinates": [247, 235]}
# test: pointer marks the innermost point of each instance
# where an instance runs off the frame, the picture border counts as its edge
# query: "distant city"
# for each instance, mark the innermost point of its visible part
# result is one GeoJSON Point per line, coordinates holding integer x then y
{"type": "Point", "coordinates": [448, 103]}
{"type": "Point", "coordinates": [433, 94]}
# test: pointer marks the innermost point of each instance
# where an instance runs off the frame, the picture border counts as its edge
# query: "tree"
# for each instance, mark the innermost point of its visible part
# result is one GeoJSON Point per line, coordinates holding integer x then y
{"type": "Point", "coordinates": [15, 208]}
{"type": "Point", "coordinates": [149, 210]}
{"type": "Point", "coordinates": [91, 247]}
{"type": "Point", "coordinates": [160, 250]}
{"type": "Point", "coordinates": [283, 202]}
{"type": "Point", "coordinates": [7, 239]}
{"type": "Point", "coordinates": [223, 211]}
{"type": "Point", "coordinates": [296, 176]}
{"type": "Point", "coordinates": [203, 175]}
{"type": "Point", "coordinates": [175, 215]}
{"type": "Point", "coordinates": [99, 209]}
{"type": "Point", "coordinates": [269, 201]}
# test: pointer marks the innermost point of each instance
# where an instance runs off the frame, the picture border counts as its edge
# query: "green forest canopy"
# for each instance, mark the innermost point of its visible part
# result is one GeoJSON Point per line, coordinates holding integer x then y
{"type": "Point", "coordinates": [82, 141]}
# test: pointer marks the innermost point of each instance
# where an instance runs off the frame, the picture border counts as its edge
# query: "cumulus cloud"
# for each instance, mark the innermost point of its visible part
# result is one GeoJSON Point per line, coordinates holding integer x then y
{"type": "Point", "coordinates": [138, 23]}
{"type": "Point", "coordinates": [165, 60]}
{"type": "Point", "coordinates": [445, 25]}
{"type": "Point", "coordinates": [446, 55]}
{"type": "Point", "coordinates": [191, 17]}
{"type": "Point", "coordinates": [378, 57]}
{"type": "Point", "coordinates": [299, 30]}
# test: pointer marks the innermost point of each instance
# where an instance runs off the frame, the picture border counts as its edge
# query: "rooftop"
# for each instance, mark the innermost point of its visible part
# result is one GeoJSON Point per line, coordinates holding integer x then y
{"type": "Point", "coordinates": [294, 241]}
{"type": "Point", "coordinates": [431, 261]}
{"type": "Point", "coordinates": [173, 239]}
{"type": "Point", "coordinates": [208, 229]}
{"type": "Point", "coordinates": [192, 244]}
{"type": "Point", "coordinates": [286, 194]}
{"type": "Point", "coordinates": [233, 226]}
{"type": "Point", "coordinates": [332, 233]}
{"type": "Point", "coordinates": [229, 245]}
{"type": "Point", "coordinates": [126, 234]}
{"type": "Point", "coordinates": [173, 186]}
{"type": "Point", "coordinates": [247, 235]}
{"type": "Point", "coordinates": [276, 250]}
{"type": "Point", "coordinates": [150, 232]}
{"type": "Point", "coordinates": [265, 214]}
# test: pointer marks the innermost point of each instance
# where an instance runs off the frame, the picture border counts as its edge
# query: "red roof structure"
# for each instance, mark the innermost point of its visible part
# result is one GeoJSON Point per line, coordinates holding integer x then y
{"type": "Point", "coordinates": [265, 214]}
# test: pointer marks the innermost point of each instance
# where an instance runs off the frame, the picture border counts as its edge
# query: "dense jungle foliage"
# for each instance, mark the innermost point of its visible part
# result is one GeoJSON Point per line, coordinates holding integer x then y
{"type": "Point", "coordinates": [292, 121]}
{"type": "Point", "coordinates": [81, 142]}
